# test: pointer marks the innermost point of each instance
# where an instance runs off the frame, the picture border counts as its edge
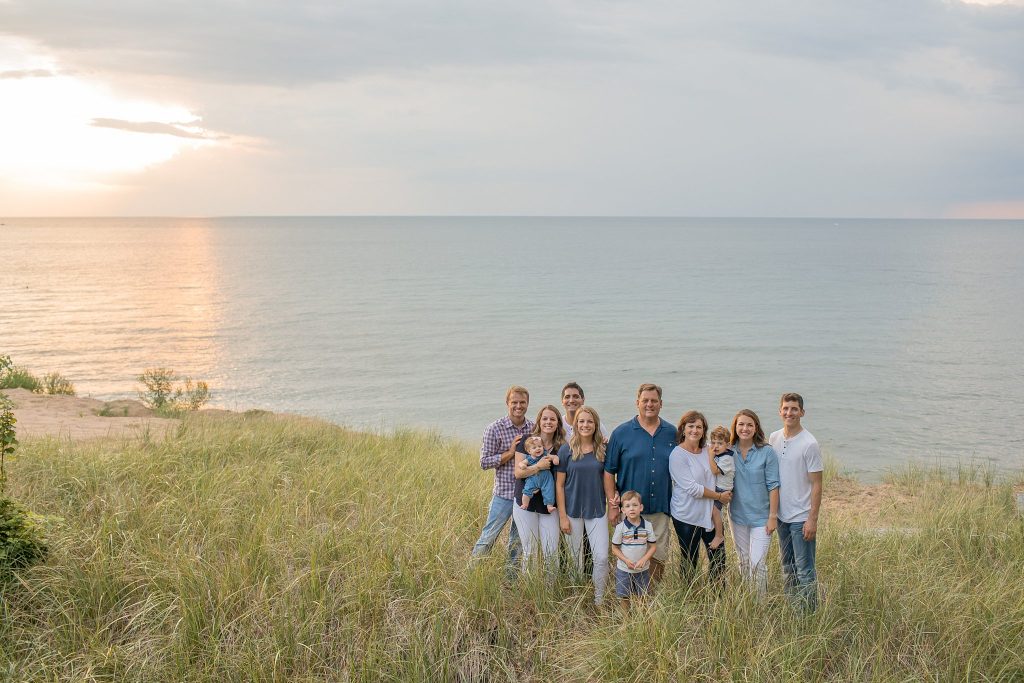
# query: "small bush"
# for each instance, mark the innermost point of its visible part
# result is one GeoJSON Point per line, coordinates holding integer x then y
{"type": "Point", "coordinates": [22, 541]}
{"type": "Point", "coordinates": [8, 442]}
{"type": "Point", "coordinates": [158, 383]}
{"type": "Point", "coordinates": [16, 377]}
{"type": "Point", "coordinates": [164, 396]}
{"type": "Point", "coordinates": [56, 383]}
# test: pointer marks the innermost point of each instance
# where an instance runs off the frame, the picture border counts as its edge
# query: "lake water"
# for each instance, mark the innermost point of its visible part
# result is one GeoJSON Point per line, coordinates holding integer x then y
{"type": "Point", "coordinates": [903, 336]}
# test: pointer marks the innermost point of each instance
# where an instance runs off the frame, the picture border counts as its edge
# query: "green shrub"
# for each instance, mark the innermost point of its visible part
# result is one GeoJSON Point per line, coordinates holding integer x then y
{"type": "Point", "coordinates": [16, 377]}
{"type": "Point", "coordinates": [8, 442]}
{"type": "Point", "coordinates": [164, 396]}
{"type": "Point", "coordinates": [22, 541]}
{"type": "Point", "coordinates": [56, 383]}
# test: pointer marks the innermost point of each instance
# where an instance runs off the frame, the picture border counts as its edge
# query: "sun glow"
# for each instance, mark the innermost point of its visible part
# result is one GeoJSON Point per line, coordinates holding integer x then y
{"type": "Point", "coordinates": [62, 131]}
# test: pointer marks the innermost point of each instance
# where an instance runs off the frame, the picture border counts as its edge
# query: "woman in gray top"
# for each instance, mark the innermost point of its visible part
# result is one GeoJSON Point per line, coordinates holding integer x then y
{"type": "Point", "coordinates": [579, 492]}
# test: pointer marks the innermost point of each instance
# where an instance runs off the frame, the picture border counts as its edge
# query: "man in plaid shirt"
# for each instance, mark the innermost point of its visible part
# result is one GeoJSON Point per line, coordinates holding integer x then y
{"type": "Point", "coordinates": [498, 452]}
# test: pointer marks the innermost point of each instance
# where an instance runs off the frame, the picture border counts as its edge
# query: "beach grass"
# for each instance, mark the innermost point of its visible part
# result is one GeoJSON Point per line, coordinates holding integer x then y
{"type": "Point", "coordinates": [262, 548]}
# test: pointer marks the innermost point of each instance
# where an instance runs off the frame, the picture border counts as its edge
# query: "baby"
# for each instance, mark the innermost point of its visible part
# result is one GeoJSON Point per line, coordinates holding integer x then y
{"type": "Point", "coordinates": [724, 467]}
{"type": "Point", "coordinates": [543, 481]}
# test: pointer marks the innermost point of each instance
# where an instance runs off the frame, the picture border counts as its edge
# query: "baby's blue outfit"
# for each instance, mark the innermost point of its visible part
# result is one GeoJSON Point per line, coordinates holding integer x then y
{"type": "Point", "coordinates": [543, 481]}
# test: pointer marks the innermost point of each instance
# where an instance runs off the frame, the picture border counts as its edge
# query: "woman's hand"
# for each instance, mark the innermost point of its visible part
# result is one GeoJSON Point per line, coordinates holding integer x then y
{"type": "Point", "coordinates": [544, 463]}
{"type": "Point", "coordinates": [771, 525]}
{"type": "Point", "coordinates": [725, 497]}
{"type": "Point", "coordinates": [564, 525]}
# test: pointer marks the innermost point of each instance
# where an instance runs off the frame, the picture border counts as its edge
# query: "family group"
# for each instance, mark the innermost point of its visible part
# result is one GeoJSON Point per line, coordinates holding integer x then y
{"type": "Point", "coordinates": [565, 475]}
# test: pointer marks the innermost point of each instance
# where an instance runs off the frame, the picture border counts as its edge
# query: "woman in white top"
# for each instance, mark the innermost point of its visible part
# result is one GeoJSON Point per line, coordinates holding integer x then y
{"type": "Point", "coordinates": [693, 494]}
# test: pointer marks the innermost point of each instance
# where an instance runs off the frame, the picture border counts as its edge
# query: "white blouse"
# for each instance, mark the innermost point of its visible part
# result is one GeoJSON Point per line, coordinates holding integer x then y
{"type": "Point", "coordinates": [691, 474]}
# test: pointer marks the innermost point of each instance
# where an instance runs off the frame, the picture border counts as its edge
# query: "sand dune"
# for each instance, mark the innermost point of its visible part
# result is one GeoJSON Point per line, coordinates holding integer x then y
{"type": "Point", "coordinates": [74, 417]}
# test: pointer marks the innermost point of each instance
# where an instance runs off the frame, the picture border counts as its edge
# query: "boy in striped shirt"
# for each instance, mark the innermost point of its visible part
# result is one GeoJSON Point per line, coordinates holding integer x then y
{"type": "Point", "coordinates": [633, 544]}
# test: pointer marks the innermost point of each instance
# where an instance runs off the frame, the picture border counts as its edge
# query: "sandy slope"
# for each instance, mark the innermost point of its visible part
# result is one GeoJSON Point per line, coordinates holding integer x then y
{"type": "Point", "coordinates": [73, 417]}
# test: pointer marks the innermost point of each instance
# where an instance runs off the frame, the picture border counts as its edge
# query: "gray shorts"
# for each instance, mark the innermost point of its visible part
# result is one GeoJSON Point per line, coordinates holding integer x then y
{"type": "Point", "coordinates": [629, 583]}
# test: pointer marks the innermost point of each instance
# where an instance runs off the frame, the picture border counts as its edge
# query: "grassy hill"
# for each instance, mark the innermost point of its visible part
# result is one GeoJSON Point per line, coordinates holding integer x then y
{"type": "Point", "coordinates": [261, 548]}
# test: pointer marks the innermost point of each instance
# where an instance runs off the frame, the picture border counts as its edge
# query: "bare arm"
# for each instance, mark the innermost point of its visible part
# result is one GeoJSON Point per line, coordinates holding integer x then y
{"type": "Point", "coordinates": [523, 470]}
{"type": "Point", "coordinates": [613, 498]}
{"type": "Point", "coordinates": [645, 560]}
{"type": "Point", "coordinates": [617, 552]}
{"type": "Point", "coordinates": [773, 511]}
{"type": "Point", "coordinates": [811, 525]}
{"type": "Point", "coordinates": [563, 517]}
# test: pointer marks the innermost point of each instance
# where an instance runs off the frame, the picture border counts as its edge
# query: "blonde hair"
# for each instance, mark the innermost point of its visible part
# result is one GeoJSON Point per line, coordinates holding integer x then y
{"type": "Point", "coordinates": [630, 495]}
{"type": "Point", "coordinates": [575, 442]}
{"type": "Point", "coordinates": [516, 389]}
{"type": "Point", "coordinates": [531, 439]}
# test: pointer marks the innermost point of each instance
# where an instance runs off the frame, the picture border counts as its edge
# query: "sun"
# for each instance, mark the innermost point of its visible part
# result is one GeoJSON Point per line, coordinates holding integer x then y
{"type": "Point", "coordinates": [59, 130]}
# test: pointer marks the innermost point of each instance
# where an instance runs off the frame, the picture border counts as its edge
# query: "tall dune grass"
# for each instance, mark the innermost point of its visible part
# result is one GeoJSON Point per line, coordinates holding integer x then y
{"type": "Point", "coordinates": [259, 548]}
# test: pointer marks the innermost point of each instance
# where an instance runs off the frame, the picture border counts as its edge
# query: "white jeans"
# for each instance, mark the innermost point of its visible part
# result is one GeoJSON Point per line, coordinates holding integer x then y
{"type": "Point", "coordinates": [752, 543]}
{"type": "Point", "coordinates": [535, 528]}
{"type": "Point", "coordinates": [596, 531]}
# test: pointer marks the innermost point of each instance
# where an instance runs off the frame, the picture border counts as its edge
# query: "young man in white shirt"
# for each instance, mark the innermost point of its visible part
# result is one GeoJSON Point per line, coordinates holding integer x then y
{"type": "Point", "coordinates": [572, 400]}
{"type": "Point", "coordinates": [800, 470]}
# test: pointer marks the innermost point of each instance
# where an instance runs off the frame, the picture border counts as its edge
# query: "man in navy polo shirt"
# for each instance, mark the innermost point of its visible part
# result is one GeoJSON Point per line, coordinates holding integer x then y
{"type": "Point", "coordinates": [637, 460]}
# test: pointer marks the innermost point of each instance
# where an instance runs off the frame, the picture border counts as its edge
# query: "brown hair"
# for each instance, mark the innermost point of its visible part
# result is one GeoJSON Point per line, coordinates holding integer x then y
{"type": "Point", "coordinates": [516, 389]}
{"type": "Point", "coordinates": [558, 438]}
{"type": "Point", "coordinates": [792, 396]}
{"type": "Point", "coordinates": [574, 440]}
{"type": "Point", "coordinates": [720, 433]}
{"type": "Point", "coordinates": [759, 439]}
{"type": "Point", "coordinates": [688, 417]}
{"type": "Point", "coordinates": [630, 495]}
{"type": "Point", "coordinates": [648, 387]}
{"type": "Point", "coordinates": [577, 387]}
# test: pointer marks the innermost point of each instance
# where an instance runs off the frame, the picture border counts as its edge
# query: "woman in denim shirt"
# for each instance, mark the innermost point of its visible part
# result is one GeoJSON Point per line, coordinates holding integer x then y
{"type": "Point", "coordinates": [755, 498]}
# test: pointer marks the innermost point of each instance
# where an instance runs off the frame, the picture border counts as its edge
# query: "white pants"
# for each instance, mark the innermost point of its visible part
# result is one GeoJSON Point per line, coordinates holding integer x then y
{"type": "Point", "coordinates": [536, 530]}
{"type": "Point", "coordinates": [596, 531]}
{"type": "Point", "coordinates": [752, 543]}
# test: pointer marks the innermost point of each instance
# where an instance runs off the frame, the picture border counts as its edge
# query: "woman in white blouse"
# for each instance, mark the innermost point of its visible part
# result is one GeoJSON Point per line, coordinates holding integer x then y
{"type": "Point", "coordinates": [693, 494]}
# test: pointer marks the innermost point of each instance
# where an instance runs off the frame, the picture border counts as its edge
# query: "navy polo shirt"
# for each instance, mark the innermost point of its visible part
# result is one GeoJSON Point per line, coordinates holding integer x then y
{"type": "Point", "coordinates": [639, 462]}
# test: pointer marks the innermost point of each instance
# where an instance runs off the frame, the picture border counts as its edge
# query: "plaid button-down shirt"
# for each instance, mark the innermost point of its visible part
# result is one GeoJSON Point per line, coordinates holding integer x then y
{"type": "Point", "coordinates": [497, 438]}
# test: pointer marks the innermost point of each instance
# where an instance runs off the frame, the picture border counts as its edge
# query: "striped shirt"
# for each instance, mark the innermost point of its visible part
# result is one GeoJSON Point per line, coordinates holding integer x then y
{"type": "Point", "coordinates": [632, 541]}
{"type": "Point", "coordinates": [497, 438]}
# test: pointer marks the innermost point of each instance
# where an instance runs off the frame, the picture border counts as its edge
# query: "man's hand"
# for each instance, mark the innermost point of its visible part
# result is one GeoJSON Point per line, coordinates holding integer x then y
{"type": "Point", "coordinates": [511, 452]}
{"type": "Point", "coordinates": [810, 529]}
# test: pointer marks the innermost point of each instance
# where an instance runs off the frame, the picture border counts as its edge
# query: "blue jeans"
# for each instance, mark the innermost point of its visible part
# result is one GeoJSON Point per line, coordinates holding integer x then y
{"type": "Point", "coordinates": [499, 512]}
{"type": "Point", "coordinates": [799, 576]}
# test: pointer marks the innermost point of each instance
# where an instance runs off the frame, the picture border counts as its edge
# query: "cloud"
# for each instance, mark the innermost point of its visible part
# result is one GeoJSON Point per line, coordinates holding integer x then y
{"type": "Point", "coordinates": [26, 73]}
{"type": "Point", "coordinates": [781, 107]}
{"type": "Point", "coordinates": [181, 130]}
{"type": "Point", "coordinates": [289, 44]}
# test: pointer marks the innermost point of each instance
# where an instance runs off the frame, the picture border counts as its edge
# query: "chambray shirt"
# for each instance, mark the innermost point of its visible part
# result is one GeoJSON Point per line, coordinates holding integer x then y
{"type": "Point", "coordinates": [755, 477]}
{"type": "Point", "coordinates": [640, 462]}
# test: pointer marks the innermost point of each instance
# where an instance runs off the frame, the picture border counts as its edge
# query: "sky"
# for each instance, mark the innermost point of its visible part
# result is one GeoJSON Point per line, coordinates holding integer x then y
{"type": "Point", "coordinates": [901, 109]}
